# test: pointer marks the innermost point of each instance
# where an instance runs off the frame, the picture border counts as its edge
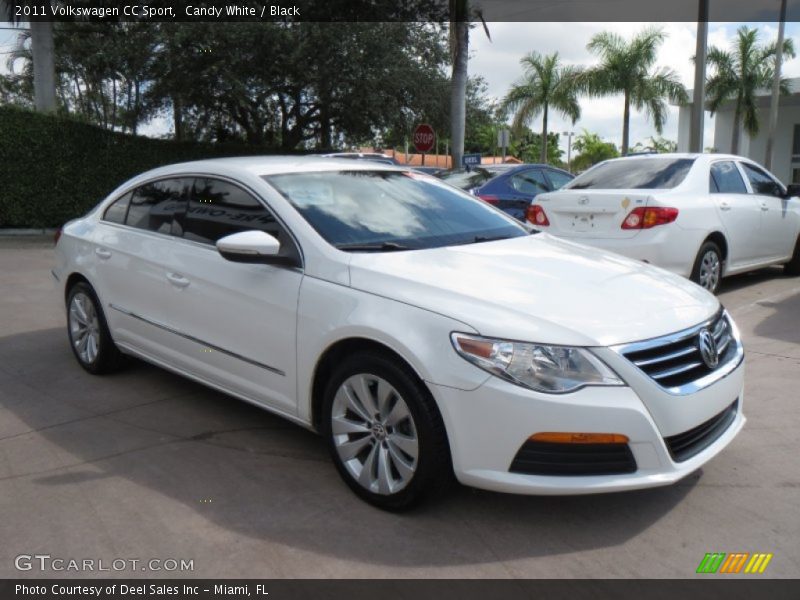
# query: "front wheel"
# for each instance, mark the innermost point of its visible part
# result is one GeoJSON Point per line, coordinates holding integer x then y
{"type": "Point", "coordinates": [89, 336]}
{"type": "Point", "coordinates": [707, 271]}
{"type": "Point", "coordinates": [384, 432]}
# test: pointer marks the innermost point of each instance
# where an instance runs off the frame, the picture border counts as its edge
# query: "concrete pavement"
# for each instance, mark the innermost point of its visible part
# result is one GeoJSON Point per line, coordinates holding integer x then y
{"type": "Point", "coordinates": [144, 464]}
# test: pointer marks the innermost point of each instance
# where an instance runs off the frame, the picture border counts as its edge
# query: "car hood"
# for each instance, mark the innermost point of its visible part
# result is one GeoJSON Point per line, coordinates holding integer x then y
{"type": "Point", "coordinates": [538, 288]}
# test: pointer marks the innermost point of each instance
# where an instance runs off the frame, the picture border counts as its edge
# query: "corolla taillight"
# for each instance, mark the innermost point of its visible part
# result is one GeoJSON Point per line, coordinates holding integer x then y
{"type": "Point", "coordinates": [651, 216]}
{"type": "Point", "coordinates": [489, 198]}
{"type": "Point", "coordinates": [536, 215]}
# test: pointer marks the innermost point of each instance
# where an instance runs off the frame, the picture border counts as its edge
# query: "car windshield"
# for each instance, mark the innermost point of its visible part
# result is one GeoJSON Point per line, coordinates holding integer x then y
{"type": "Point", "coordinates": [391, 210]}
{"type": "Point", "coordinates": [634, 174]}
{"type": "Point", "coordinates": [466, 180]}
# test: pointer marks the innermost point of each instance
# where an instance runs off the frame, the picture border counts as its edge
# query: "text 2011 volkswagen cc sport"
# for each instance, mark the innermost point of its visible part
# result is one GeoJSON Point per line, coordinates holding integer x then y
{"type": "Point", "coordinates": [420, 330]}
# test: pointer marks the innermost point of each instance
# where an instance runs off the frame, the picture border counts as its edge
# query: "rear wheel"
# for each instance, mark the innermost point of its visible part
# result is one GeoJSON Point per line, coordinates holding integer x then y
{"type": "Point", "coordinates": [707, 271]}
{"type": "Point", "coordinates": [793, 266]}
{"type": "Point", "coordinates": [89, 336]}
{"type": "Point", "coordinates": [384, 432]}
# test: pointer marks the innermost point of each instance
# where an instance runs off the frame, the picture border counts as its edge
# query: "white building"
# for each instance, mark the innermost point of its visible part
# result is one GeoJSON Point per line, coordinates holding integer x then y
{"type": "Point", "coordinates": [786, 159]}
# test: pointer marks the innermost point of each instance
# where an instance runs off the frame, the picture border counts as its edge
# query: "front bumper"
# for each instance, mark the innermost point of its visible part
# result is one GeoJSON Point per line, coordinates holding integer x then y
{"type": "Point", "coordinates": [487, 427]}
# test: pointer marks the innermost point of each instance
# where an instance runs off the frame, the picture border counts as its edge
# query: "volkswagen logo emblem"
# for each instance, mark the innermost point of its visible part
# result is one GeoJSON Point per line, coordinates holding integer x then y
{"type": "Point", "coordinates": [708, 348]}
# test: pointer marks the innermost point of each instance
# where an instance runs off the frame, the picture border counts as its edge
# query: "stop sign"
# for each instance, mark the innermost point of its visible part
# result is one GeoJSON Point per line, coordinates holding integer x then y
{"type": "Point", "coordinates": [424, 138]}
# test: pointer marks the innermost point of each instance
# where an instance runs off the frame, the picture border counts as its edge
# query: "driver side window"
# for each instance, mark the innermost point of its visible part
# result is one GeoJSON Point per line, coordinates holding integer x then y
{"type": "Point", "coordinates": [762, 183]}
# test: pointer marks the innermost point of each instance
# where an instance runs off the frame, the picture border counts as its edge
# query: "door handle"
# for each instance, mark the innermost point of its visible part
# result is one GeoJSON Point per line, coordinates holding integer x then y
{"type": "Point", "coordinates": [177, 280]}
{"type": "Point", "coordinates": [724, 206]}
{"type": "Point", "coordinates": [103, 253]}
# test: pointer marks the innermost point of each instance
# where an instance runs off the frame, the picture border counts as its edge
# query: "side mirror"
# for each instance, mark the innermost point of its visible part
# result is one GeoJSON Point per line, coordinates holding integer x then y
{"type": "Point", "coordinates": [793, 190]}
{"type": "Point", "coordinates": [250, 247]}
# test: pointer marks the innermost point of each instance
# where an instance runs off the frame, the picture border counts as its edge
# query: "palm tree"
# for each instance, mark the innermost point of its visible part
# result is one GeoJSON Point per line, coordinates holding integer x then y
{"type": "Point", "coordinates": [459, 52]}
{"type": "Point", "coordinates": [739, 74]}
{"type": "Point", "coordinates": [546, 84]}
{"type": "Point", "coordinates": [44, 70]}
{"type": "Point", "coordinates": [626, 67]}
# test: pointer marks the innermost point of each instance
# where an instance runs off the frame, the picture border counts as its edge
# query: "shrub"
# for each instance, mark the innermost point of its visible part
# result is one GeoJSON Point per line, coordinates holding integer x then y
{"type": "Point", "coordinates": [53, 169]}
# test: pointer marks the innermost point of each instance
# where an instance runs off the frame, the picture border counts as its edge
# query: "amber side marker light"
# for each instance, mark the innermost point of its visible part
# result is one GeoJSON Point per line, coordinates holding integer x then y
{"type": "Point", "coordinates": [579, 438]}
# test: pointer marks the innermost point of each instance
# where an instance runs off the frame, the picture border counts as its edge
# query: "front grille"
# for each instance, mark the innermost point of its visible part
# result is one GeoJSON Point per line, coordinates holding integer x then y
{"type": "Point", "coordinates": [685, 445]}
{"type": "Point", "coordinates": [675, 361]}
{"type": "Point", "coordinates": [548, 458]}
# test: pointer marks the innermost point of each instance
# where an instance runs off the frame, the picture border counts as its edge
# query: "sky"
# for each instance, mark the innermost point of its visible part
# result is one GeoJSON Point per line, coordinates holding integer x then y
{"type": "Point", "coordinates": [497, 61]}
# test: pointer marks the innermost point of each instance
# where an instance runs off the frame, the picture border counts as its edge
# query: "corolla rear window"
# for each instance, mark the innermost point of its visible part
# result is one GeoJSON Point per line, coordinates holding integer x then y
{"type": "Point", "coordinates": [634, 174]}
{"type": "Point", "coordinates": [391, 210]}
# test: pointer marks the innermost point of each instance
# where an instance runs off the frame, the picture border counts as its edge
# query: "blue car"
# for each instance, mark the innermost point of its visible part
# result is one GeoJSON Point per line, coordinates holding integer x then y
{"type": "Point", "coordinates": [511, 188]}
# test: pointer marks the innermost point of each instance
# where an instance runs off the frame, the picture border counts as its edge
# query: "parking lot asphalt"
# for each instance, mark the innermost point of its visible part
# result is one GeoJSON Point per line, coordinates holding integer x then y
{"type": "Point", "coordinates": [146, 465]}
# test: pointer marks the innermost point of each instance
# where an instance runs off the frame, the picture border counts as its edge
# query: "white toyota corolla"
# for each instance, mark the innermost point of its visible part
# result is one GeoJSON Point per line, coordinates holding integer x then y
{"type": "Point", "coordinates": [421, 331]}
{"type": "Point", "coordinates": [703, 216]}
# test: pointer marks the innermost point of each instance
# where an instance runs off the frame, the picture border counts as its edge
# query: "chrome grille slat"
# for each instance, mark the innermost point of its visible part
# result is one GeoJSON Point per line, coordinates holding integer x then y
{"type": "Point", "coordinates": [675, 370]}
{"type": "Point", "coordinates": [675, 362]}
{"type": "Point", "coordinates": [672, 355]}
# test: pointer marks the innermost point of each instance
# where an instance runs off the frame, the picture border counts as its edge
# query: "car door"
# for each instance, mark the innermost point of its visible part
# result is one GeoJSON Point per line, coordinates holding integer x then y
{"type": "Point", "coordinates": [778, 222]}
{"type": "Point", "coordinates": [236, 321]}
{"type": "Point", "coordinates": [738, 212]}
{"type": "Point", "coordinates": [132, 241]}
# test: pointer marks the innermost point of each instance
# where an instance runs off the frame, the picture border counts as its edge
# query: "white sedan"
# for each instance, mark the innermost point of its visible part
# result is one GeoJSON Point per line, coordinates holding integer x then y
{"type": "Point", "coordinates": [703, 216]}
{"type": "Point", "coordinates": [421, 331]}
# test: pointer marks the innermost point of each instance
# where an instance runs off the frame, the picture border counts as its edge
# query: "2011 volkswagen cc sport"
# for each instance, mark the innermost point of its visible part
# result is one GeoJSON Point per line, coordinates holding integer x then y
{"type": "Point", "coordinates": [421, 331]}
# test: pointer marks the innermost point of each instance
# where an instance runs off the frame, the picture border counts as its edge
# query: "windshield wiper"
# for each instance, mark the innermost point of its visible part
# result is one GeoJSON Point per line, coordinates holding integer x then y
{"type": "Point", "coordinates": [485, 238]}
{"type": "Point", "coordinates": [379, 247]}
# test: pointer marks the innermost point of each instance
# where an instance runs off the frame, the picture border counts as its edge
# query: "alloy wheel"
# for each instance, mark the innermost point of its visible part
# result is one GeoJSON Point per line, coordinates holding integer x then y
{"type": "Point", "coordinates": [84, 327]}
{"type": "Point", "coordinates": [374, 434]}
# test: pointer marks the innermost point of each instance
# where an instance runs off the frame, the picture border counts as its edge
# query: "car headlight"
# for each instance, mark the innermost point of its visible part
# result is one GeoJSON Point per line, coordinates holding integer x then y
{"type": "Point", "coordinates": [540, 367]}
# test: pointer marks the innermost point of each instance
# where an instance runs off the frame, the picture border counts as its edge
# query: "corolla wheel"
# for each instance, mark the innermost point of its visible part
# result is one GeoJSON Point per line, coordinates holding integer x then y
{"type": "Point", "coordinates": [707, 270]}
{"type": "Point", "coordinates": [374, 434]}
{"type": "Point", "coordinates": [384, 432]}
{"type": "Point", "coordinates": [88, 332]}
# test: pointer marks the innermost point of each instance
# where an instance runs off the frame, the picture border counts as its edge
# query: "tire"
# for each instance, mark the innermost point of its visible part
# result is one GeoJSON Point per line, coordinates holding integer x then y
{"type": "Point", "coordinates": [792, 268]}
{"type": "Point", "coordinates": [707, 270]}
{"type": "Point", "coordinates": [88, 332]}
{"type": "Point", "coordinates": [405, 448]}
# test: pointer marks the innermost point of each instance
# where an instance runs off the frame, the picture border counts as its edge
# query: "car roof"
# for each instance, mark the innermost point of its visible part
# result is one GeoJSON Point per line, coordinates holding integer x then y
{"type": "Point", "coordinates": [708, 156]}
{"type": "Point", "coordinates": [272, 165]}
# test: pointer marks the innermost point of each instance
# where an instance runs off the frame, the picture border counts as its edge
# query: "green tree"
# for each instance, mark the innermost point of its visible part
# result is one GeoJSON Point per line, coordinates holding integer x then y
{"type": "Point", "coordinates": [627, 68]}
{"type": "Point", "coordinates": [546, 84]}
{"type": "Point", "coordinates": [591, 149]}
{"type": "Point", "coordinates": [659, 145]}
{"type": "Point", "coordinates": [739, 74]}
{"type": "Point", "coordinates": [527, 146]}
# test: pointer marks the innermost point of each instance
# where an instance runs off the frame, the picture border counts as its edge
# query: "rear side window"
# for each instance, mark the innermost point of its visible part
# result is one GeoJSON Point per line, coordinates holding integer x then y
{"type": "Point", "coordinates": [761, 182]}
{"type": "Point", "coordinates": [154, 204]}
{"type": "Point", "coordinates": [115, 213]}
{"type": "Point", "coordinates": [530, 182]}
{"type": "Point", "coordinates": [559, 179]}
{"type": "Point", "coordinates": [726, 179]}
{"type": "Point", "coordinates": [634, 174]}
{"type": "Point", "coordinates": [218, 208]}
{"type": "Point", "coordinates": [467, 180]}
